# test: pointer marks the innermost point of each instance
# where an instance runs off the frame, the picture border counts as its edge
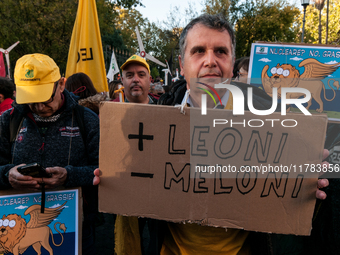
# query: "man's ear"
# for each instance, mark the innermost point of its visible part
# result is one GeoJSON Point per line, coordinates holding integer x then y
{"type": "Point", "coordinates": [180, 65]}
{"type": "Point", "coordinates": [182, 69]}
{"type": "Point", "coordinates": [2, 98]}
{"type": "Point", "coordinates": [61, 84]}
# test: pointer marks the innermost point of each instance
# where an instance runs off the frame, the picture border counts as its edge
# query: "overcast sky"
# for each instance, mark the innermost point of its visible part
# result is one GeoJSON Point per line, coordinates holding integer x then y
{"type": "Point", "coordinates": [158, 10]}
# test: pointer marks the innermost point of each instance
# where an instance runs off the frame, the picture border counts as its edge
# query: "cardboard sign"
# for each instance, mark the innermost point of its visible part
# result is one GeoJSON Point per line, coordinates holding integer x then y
{"type": "Point", "coordinates": [26, 230]}
{"type": "Point", "coordinates": [161, 164]}
{"type": "Point", "coordinates": [295, 63]}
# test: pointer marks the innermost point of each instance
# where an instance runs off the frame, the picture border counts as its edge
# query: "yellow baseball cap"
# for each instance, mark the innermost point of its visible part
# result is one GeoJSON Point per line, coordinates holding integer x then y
{"type": "Point", "coordinates": [136, 59]}
{"type": "Point", "coordinates": [34, 76]}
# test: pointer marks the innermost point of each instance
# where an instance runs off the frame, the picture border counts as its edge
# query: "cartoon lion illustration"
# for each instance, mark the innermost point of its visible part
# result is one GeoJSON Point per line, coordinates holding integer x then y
{"type": "Point", "coordinates": [16, 236]}
{"type": "Point", "coordinates": [287, 76]}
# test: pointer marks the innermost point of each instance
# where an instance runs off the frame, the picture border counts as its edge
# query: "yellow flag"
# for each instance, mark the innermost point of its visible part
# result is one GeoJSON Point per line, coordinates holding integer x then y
{"type": "Point", "coordinates": [86, 52]}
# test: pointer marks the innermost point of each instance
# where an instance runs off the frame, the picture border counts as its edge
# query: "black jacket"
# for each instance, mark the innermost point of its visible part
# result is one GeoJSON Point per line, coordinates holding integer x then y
{"type": "Point", "coordinates": [78, 157]}
{"type": "Point", "coordinates": [325, 237]}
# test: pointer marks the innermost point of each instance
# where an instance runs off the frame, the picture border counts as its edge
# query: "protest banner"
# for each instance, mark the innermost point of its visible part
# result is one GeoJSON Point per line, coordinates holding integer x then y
{"type": "Point", "coordinates": [113, 68]}
{"type": "Point", "coordinates": [313, 67]}
{"type": "Point", "coordinates": [26, 229]}
{"type": "Point", "coordinates": [159, 163]}
{"type": "Point", "coordinates": [86, 50]}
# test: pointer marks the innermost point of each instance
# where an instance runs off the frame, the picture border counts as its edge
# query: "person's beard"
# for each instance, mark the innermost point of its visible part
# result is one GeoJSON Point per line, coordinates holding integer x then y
{"type": "Point", "coordinates": [136, 93]}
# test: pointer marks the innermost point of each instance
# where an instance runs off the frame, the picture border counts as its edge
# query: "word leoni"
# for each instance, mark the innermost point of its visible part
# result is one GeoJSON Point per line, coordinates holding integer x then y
{"type": "Point", "coordinates": [238, 100]}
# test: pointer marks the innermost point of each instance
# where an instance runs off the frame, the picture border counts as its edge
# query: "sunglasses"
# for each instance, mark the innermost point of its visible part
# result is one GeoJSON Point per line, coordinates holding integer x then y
{"type": "Point", "coordinates": [52, 97]}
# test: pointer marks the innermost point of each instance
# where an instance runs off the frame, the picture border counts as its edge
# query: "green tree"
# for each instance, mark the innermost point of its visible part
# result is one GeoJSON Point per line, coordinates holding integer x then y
{"type": "Point", "coordinates": [228, 8]}
{"type": "Point", "coordinates": [126, 21]}
{"type": "Point", "coordinates": [46, 26]}
{"type": "Point", "coordinates": [161, 42]}
{"type": "Point", "coordinates": [265, 20]}
{"type": "Point", "coordinates": [39, 25]}
{"type": "Point", "coordinates": [154, 72]}
{"type": "Point", "coordinates": [232, 10]}
{"type": "Point", "coordinates": [312, 24]}
{"type": "Point", "coordinates": [218, 6]}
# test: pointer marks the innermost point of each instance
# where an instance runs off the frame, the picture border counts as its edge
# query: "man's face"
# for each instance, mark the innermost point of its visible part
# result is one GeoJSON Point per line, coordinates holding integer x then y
{"type": "Point", "coordinates": [136, 81]}
{"type": "Point", "coordinates": [208, 56]}
{"type": "Point", "coordinates": [49, 107]}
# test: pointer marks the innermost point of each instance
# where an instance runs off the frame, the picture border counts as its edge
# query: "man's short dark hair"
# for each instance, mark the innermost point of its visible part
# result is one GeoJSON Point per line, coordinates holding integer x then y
{"type": "Point", "coordinates": [6, 87]}
{"type": "Point", "coordinates": [217, 22]}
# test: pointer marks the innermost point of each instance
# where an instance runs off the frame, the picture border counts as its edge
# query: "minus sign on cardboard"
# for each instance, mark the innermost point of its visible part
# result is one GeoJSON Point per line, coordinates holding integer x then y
{"type": "Point", "coordinates": [143, 175]}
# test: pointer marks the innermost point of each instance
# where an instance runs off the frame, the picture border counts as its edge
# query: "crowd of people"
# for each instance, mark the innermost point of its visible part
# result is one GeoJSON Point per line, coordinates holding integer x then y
{"type": "Point", "coordinates": [46, 103]}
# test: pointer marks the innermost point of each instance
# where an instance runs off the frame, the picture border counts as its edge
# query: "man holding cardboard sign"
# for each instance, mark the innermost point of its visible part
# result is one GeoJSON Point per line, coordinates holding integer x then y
{"type": "Point", "coordinates": [201, 58]}
{"type": "Point", "coordinates": [210, 57]}
{"type": "Point", "coordinates": [207, 46]}
{"type": "Point", "coordinates": [136, 80]}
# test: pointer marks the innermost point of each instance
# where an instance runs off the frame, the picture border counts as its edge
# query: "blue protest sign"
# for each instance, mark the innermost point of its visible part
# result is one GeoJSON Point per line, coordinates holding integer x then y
{"type": "Point", "coordinates": [25, 230]}
{"type": "Point", "coordinates": [312, 67]}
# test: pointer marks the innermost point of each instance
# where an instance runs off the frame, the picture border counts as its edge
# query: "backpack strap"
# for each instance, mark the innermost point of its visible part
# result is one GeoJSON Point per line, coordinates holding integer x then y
{"type": "Point", "coordinates": [16, 117]}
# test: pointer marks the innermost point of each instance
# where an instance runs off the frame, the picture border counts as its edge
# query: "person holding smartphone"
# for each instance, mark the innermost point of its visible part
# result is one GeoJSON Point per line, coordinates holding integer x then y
{"type": "Point", "coordinates": [50, 134]}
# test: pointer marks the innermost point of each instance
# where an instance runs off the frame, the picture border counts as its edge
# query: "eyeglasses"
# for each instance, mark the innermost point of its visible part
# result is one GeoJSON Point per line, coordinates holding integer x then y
{"type": "Point", "coordinates": [52, 97]}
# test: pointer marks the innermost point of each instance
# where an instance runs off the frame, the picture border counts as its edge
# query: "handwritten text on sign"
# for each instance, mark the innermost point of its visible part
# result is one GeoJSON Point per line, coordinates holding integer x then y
{"type": "Point", "coordinates": [159, 163]}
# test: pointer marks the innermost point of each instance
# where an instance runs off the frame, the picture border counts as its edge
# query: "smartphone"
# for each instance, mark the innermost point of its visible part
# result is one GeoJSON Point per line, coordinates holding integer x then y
{"type": "Point", "coordinates": [34, 170]}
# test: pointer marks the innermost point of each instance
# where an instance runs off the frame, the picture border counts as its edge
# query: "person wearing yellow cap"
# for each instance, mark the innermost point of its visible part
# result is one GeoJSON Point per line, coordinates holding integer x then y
{"type": "Point", "coordinates": [136, 80]}
{"type": "Point", "coordinates": [48, 127]}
